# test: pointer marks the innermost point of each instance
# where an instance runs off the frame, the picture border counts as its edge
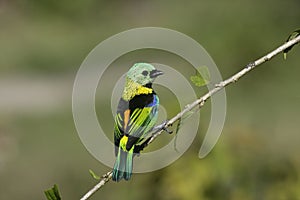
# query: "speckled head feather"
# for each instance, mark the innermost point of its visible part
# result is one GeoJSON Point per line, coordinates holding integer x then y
{"type": "Point", "coordinates": [137, 79]}
{"type": "Point", "coordinates": [143, 73]}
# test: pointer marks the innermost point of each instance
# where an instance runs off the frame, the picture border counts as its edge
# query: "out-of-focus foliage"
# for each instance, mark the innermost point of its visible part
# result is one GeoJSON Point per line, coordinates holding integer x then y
{"type": "Point", "coordinates": [53, 193]}
{"type": "Point", "coordinates": [42, 44]}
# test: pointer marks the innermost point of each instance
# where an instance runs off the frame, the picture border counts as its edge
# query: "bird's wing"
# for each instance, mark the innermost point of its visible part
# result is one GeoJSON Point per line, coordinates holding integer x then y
{"type": "Point", "coordinates": [140, 124]}
{"type": "Point", "coordinates": [119, 122]}
{"type": "Point", "coordinates": [135, 122]}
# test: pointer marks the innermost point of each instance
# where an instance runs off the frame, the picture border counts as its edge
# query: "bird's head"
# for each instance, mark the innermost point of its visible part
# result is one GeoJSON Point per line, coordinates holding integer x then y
{"type": "Point", "coordinates": [143, 73]}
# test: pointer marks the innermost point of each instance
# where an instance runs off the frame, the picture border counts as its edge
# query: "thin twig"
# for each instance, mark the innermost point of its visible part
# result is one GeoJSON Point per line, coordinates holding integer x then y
{"type": "Point", "coordinates": [199, 103]}
{"type": "Point", "coordinates": [104, 179]}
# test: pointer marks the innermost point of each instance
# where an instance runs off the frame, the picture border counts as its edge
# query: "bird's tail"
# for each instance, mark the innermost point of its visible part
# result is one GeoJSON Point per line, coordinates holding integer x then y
{"type": "Point", "coordinates": [123, 165]}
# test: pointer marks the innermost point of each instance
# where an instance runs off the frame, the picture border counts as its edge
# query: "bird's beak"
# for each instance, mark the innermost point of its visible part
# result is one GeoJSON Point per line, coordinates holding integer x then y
{"type": "Point", "coordinates": [155, 73]}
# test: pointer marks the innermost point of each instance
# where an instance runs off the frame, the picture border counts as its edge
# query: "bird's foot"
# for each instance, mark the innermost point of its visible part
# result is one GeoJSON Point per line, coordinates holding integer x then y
{"type": "Point", "coordinates": [167, 130]}
{"type": "Point", "coordinates": [163, 127]}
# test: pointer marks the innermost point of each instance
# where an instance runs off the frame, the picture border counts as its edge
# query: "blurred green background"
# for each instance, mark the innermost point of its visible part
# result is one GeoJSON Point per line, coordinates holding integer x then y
{"type": "Point", "coordinates": [42, 44]}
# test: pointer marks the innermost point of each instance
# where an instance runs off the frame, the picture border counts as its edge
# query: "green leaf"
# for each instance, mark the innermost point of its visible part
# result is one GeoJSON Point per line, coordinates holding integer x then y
{"type": "Point", "coordinates": [202, 76]}
{"type": "Point", "coordinates": [293, 35]}
{"type": "Point", "coordinates": [94, 175]}
{"type": "Point", "coordinates": [53, 193]}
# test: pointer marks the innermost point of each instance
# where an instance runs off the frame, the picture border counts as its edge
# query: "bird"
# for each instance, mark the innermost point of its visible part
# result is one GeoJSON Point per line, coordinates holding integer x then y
{"type": "Point", "coordinates": [136, 116]}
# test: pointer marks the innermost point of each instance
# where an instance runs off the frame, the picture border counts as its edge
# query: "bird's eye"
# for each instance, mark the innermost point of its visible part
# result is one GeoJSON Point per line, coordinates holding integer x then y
{"type": "Point", "coordinates": [145, 73]}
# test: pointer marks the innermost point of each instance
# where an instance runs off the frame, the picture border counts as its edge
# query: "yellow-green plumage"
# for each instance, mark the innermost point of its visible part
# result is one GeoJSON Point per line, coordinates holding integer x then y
{"type": "Point", "coordinates": [132, 89]}
{"type": "Point", "coordinates": [136, 116]}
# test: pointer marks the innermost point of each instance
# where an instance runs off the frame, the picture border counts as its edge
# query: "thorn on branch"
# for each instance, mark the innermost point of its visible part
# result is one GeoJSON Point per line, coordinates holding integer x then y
{"type": "Point", "coordinates": [266, 58]}
{"type": "Point", "coordinates": [201, 103]}
{"type": "Point", "coordinates": [221, 84]}
{"type": "Point", "coordinates": [250, 65]}
{"type": "Point", "coordinates": [235, 79]}
{"type": "Point", "coordinates": [106, 176]}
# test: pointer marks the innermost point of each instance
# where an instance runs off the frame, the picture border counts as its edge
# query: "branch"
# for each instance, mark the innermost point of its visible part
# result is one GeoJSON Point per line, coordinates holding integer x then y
{"type": "Point", "coordinates": [104, 179]}
{"type": "Point", "coordinates": [199, 103]}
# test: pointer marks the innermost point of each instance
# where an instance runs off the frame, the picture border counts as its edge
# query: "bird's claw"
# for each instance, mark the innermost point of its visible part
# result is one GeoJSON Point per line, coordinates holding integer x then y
{"type": "Point", "coordinates": [167, 130]}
